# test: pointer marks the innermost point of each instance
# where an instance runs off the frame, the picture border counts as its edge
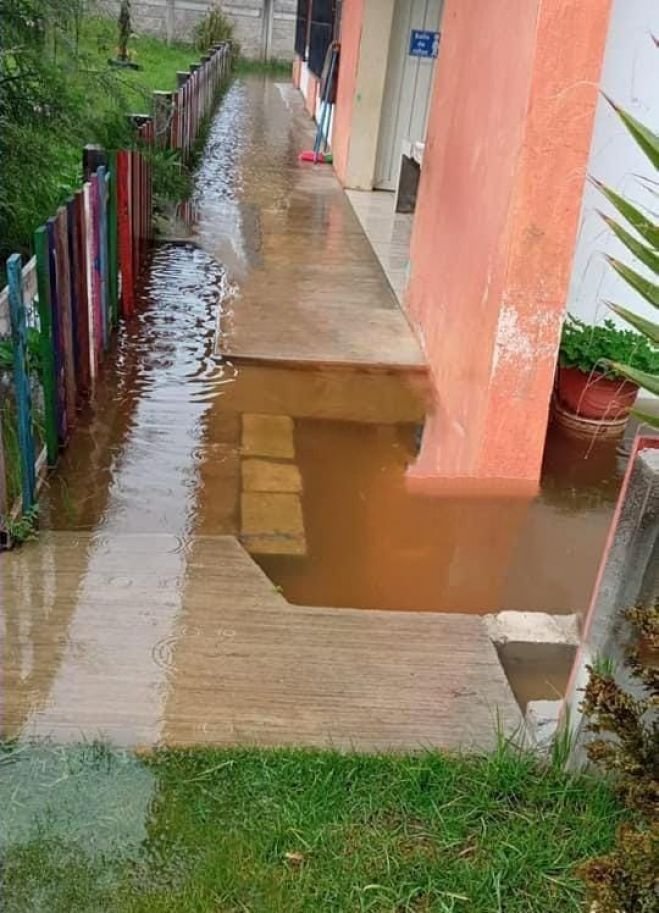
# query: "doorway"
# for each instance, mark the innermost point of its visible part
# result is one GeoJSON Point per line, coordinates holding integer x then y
{"type": "Point", "coordinates": [408, 88]}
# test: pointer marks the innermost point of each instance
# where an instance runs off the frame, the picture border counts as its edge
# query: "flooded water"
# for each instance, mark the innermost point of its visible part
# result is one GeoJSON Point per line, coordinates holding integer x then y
{"type": "Point", "coordinates": [305, 466]}
{"type": "Point", "coordinates": [162, 446]}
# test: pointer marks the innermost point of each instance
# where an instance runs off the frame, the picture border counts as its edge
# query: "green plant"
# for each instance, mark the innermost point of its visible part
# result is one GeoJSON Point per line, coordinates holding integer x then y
{"type": "Point", "coordinates": [212, 29]}
{"type": "Point", "coordinates": [599, 348]}
{"type": "Point", "coordinates": [24, 528]}
{"type": "Point", "coordinates": [643, 243]}
{"type": "Point", "coordinates": [625, 721]}
{"type": "Point", "coordinates": [33, 352]}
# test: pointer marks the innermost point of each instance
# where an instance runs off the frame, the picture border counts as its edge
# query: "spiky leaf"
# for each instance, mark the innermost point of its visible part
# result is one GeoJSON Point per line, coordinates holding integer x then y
{"type": "Point", "coordinates": [649, 290]}
{"type": "Point", "coordinates": [639, 220]}
{"type": "Point", "coordinates": [649, 382]}
{"type": "Point", "coordinates": [647, 139]}
{"type": "Point", "coordinates": [646, 327]}
{"type": "Point", "coordinates": [646, 418]}
{"type": "Point", "coordinates": [645, 254]}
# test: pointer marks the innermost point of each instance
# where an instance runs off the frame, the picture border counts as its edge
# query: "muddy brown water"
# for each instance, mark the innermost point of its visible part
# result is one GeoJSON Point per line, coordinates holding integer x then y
{"type": "Point", "coordinates": [162, 448]}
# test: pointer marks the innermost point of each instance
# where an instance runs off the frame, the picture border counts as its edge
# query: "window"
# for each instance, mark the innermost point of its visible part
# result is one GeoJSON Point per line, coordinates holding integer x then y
{"type": "Point", "coordinates": [320, 33]}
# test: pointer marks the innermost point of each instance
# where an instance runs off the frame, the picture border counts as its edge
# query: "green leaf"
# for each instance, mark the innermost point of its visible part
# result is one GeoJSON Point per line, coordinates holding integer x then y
{"type": "Point", "coordinates": [646, 138]}
{"type": "Point", "coordinates": [645, 254]}
{"type": "Point", "coordinates": [646, 418]}
{"type": "Point", "coordinates": [643, 223]}
{"type": "Point", "coordinates": [649, 290]}
{"type": "Point", "coordinates": [646, 327]}
{"type": "Point", "coordinates": [649, 382]}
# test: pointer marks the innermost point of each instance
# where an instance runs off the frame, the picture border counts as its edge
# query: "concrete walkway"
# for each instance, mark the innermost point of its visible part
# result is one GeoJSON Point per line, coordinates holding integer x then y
{"type": "Point", "coordinates": [139, 616]}
{"type": "Point", "coordinates": [142, 641]}
{"type": "Point", "coordinates": [313, 289]}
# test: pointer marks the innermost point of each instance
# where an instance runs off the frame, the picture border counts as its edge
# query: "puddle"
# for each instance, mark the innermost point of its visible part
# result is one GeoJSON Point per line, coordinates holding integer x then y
{"type": "Point", "coordinates": [537, 671]}
{"type": "Point", "coordinates": [93, 799]}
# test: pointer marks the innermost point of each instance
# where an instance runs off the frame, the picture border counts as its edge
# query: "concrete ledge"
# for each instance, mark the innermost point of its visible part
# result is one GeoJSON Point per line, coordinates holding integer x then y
{"type": "Point", "coordinates": [532, 628]}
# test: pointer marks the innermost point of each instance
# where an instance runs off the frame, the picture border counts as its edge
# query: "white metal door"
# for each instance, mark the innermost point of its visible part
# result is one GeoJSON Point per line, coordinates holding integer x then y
{"type": "Point", "coordinates": [407, 89]}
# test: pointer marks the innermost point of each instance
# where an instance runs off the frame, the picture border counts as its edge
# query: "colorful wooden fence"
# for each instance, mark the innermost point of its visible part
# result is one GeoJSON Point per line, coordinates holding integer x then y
{"type": "Point", "coordinates": [178, 116]}
{"type": "Point", "coordinates": [60, 309]}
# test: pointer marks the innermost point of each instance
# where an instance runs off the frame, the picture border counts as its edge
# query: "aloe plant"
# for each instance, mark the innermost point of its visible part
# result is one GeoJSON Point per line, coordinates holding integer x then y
{"type": "Point", "coordinates": [644, 245]}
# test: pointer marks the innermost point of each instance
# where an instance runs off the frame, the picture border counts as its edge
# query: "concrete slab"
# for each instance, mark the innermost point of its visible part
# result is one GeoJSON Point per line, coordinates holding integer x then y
{"type": "Point", "coordinates": [267, 475]}
{"type": "Point", "coordinates": [143, 642]}
{"type": "Point", "coordinates": [272, 523]}
{"type": "Point", "coordinates": [268, 435]}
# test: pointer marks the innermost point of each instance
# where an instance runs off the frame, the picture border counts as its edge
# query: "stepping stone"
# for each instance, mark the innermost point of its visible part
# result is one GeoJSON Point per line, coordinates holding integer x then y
{"type": "Point", "coordinates": [266, 475]}
{"type": "Point", "coordinates": [272, 524]}
{"type": "Point", "coordinates": [268, 435]}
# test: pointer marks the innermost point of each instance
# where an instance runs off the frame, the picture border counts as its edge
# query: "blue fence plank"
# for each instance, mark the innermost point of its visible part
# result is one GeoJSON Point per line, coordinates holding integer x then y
{"type": "Point", "coordinates": [21, 380]}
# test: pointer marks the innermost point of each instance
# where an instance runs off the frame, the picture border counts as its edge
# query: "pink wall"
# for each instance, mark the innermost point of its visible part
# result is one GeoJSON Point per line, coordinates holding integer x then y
{"type": "Point", "coordinates": [495, 224]}
{"type": "Point", "coordinates": [351, 30]}
{"type": "Point", "coordinates": [312, 94]}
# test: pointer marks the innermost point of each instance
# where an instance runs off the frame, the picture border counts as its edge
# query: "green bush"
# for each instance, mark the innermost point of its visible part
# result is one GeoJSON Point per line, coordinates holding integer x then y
{"type": "Point", "coordinates": [212, 29]}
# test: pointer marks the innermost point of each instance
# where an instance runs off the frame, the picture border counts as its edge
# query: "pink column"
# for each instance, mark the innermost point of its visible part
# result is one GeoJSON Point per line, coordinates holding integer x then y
{"type": "Point", "coordinates": [494, 230]}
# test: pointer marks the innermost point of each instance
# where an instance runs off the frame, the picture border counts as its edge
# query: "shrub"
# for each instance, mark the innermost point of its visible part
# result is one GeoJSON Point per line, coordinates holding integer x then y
{"type": "Point", "coordinates": [627, 746]}
{"type": "Point", "coordinates": [212, 29]}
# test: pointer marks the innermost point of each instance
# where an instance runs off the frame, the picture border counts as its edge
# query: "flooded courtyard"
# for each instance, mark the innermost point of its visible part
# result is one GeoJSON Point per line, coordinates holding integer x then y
{"type": "Point", "coordinates": [216, 501]}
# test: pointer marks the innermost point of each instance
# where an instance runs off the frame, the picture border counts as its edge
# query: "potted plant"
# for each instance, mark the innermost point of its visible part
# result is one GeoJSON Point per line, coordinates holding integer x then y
{"type": "Point", "coordinates": [589, 386]}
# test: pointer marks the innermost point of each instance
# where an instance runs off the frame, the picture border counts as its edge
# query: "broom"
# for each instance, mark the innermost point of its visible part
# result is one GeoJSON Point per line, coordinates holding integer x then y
{"type": "Point", "coordinates": [316, 155]}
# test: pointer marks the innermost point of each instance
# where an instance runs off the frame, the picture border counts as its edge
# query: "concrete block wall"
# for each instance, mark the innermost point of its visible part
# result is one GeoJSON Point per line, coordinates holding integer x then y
{"type": "Point", "coordinates": [628, 575]}
{"type": "Point", "coordinates": [265, 29]}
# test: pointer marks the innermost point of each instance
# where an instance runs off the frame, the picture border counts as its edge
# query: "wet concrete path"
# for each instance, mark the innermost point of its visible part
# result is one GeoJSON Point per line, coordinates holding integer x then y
{"type": "Point", "coordinates": [142, 614]}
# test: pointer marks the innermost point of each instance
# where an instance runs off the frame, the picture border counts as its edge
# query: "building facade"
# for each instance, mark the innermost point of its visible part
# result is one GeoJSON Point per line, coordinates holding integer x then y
{"type": "Point", "coordinates": [495, 105]}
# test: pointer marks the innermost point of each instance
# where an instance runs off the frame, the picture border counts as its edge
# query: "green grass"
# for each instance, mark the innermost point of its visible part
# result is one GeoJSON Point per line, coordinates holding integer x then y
{"type": "Point", "coordinates": [274, 66]}
{"type": "Point", "coordinates": [208, 831]}
{"type": "Point", "coordinates": [159, 61]}
{"type": "Point", "coordinates": [89, 103]}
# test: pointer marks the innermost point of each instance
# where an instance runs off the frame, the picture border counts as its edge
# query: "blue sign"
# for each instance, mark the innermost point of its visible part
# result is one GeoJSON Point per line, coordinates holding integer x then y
{"type": "Point", "coordinates": [423, 43]}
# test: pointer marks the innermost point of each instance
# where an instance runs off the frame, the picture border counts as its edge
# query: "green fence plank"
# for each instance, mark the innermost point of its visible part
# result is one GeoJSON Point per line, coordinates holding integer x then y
{"type": "Point", "coordinates": [21, 381]}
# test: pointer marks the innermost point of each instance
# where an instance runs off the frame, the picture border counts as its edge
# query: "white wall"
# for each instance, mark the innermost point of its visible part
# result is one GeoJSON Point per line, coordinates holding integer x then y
{"type": "Point", "coordinates": [630, 76]}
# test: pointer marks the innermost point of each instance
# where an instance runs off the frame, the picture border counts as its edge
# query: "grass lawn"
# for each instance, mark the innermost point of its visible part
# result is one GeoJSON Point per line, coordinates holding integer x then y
{"type": "Point", "coordinates": [84, 101]}
{"type": "Point", "coordinates": [208, 831]}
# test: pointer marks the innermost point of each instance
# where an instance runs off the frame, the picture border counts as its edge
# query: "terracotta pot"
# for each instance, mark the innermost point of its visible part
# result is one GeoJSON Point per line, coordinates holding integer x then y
{"type": "Point", "coordinates": [595, 396]}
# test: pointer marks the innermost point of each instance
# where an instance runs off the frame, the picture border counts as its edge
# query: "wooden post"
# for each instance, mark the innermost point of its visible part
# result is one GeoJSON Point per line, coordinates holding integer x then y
{"type": "Point", "coordinates": [4, 511]}
{"type": "Point", "coordinates": [124, 225]}
{"type": "Point", "coordinates": [46, 344]}
{"type": "Point", "coordinates": [103, 253]}
{"type": "Point", "coordinates": [56, 324]}
{"type": "Point", "coordinates": [97, 292]}
{"type": "Point", "coordinates": [162, 111]}
{"type": "Point", "coordinates": [113, 263]}
{"type": "Point", "coordinates": [82, 323]}
{"type": "Point", "coordinates": [65, 313]}
{"type": "Point", "coordinates": [72, 262]}
{"type": "Point", "coordinates": [88, 236]}
{"type": "Point", "coordinates": [92, 158]}
{"type": "Point", "coordinates": [21, 381]}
